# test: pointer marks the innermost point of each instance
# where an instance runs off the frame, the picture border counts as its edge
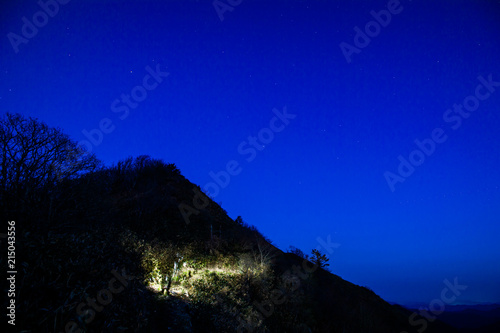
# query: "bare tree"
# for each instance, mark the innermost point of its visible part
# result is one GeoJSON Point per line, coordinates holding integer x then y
{"type": "Point", "coordinates": [34, 158]}
{"type": "Point", "coordinates": [264, 254]}
{"type": "Point", "coordinates": [297, 252]}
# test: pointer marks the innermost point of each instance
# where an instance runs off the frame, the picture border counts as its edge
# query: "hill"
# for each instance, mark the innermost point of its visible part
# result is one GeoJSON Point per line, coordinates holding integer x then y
{"type": "Point", "coordinates": [138, 247]}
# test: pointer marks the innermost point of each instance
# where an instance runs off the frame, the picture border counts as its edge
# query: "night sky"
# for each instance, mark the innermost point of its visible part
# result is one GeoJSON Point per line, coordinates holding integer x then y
{"type": "Point", "coordinates": [312, 115]}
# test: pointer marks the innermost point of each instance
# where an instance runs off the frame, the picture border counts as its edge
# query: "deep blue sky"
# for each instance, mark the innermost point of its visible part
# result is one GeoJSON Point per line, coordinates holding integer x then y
{"type": "Point", "coordinates": [323, 174]}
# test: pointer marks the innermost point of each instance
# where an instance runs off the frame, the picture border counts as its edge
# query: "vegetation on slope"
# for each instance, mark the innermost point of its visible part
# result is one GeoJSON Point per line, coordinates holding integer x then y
{"type": "Point", "coordinates": [108, 249]}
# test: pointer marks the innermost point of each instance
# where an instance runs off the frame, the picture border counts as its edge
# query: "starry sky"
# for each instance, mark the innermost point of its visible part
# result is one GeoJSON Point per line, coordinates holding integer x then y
{"type": "Point", "coordinates": [366, 129]}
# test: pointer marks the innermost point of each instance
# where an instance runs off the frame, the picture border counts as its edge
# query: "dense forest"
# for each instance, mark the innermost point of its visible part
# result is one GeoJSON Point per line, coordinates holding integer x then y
{"type": "Point", "coordinates": [137, 247]}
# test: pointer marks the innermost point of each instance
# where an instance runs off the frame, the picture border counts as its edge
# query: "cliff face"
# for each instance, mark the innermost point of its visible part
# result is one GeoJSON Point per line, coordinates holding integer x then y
{"type": "Point", "coordinates": [137, 247]}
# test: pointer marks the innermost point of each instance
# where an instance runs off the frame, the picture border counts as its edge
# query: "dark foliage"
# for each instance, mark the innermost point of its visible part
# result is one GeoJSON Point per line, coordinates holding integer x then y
{"type": "Point", "coordinates": [34, 161]}
{"type": "Point", "coordinates": [213, 274]}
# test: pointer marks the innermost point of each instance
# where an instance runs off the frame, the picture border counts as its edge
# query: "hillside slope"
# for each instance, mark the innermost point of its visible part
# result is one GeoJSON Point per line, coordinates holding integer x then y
{"type": "Point", "coordinates": [137, 247]}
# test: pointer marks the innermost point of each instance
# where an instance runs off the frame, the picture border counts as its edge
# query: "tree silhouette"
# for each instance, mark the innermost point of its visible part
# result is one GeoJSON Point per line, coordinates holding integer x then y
{"type": "Point", "coordinates": [319, 259]}
{"type": "Point", "coordinates": [34, 159]}
{"type": "Point", "coordinates": [297, 252]}
{"type": "Point", "coordinates": [240, 221]}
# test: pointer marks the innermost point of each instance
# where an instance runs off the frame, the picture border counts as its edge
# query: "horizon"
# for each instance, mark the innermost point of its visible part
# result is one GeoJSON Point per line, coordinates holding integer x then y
{"type": "Point", "coordinates": [377, 147]}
